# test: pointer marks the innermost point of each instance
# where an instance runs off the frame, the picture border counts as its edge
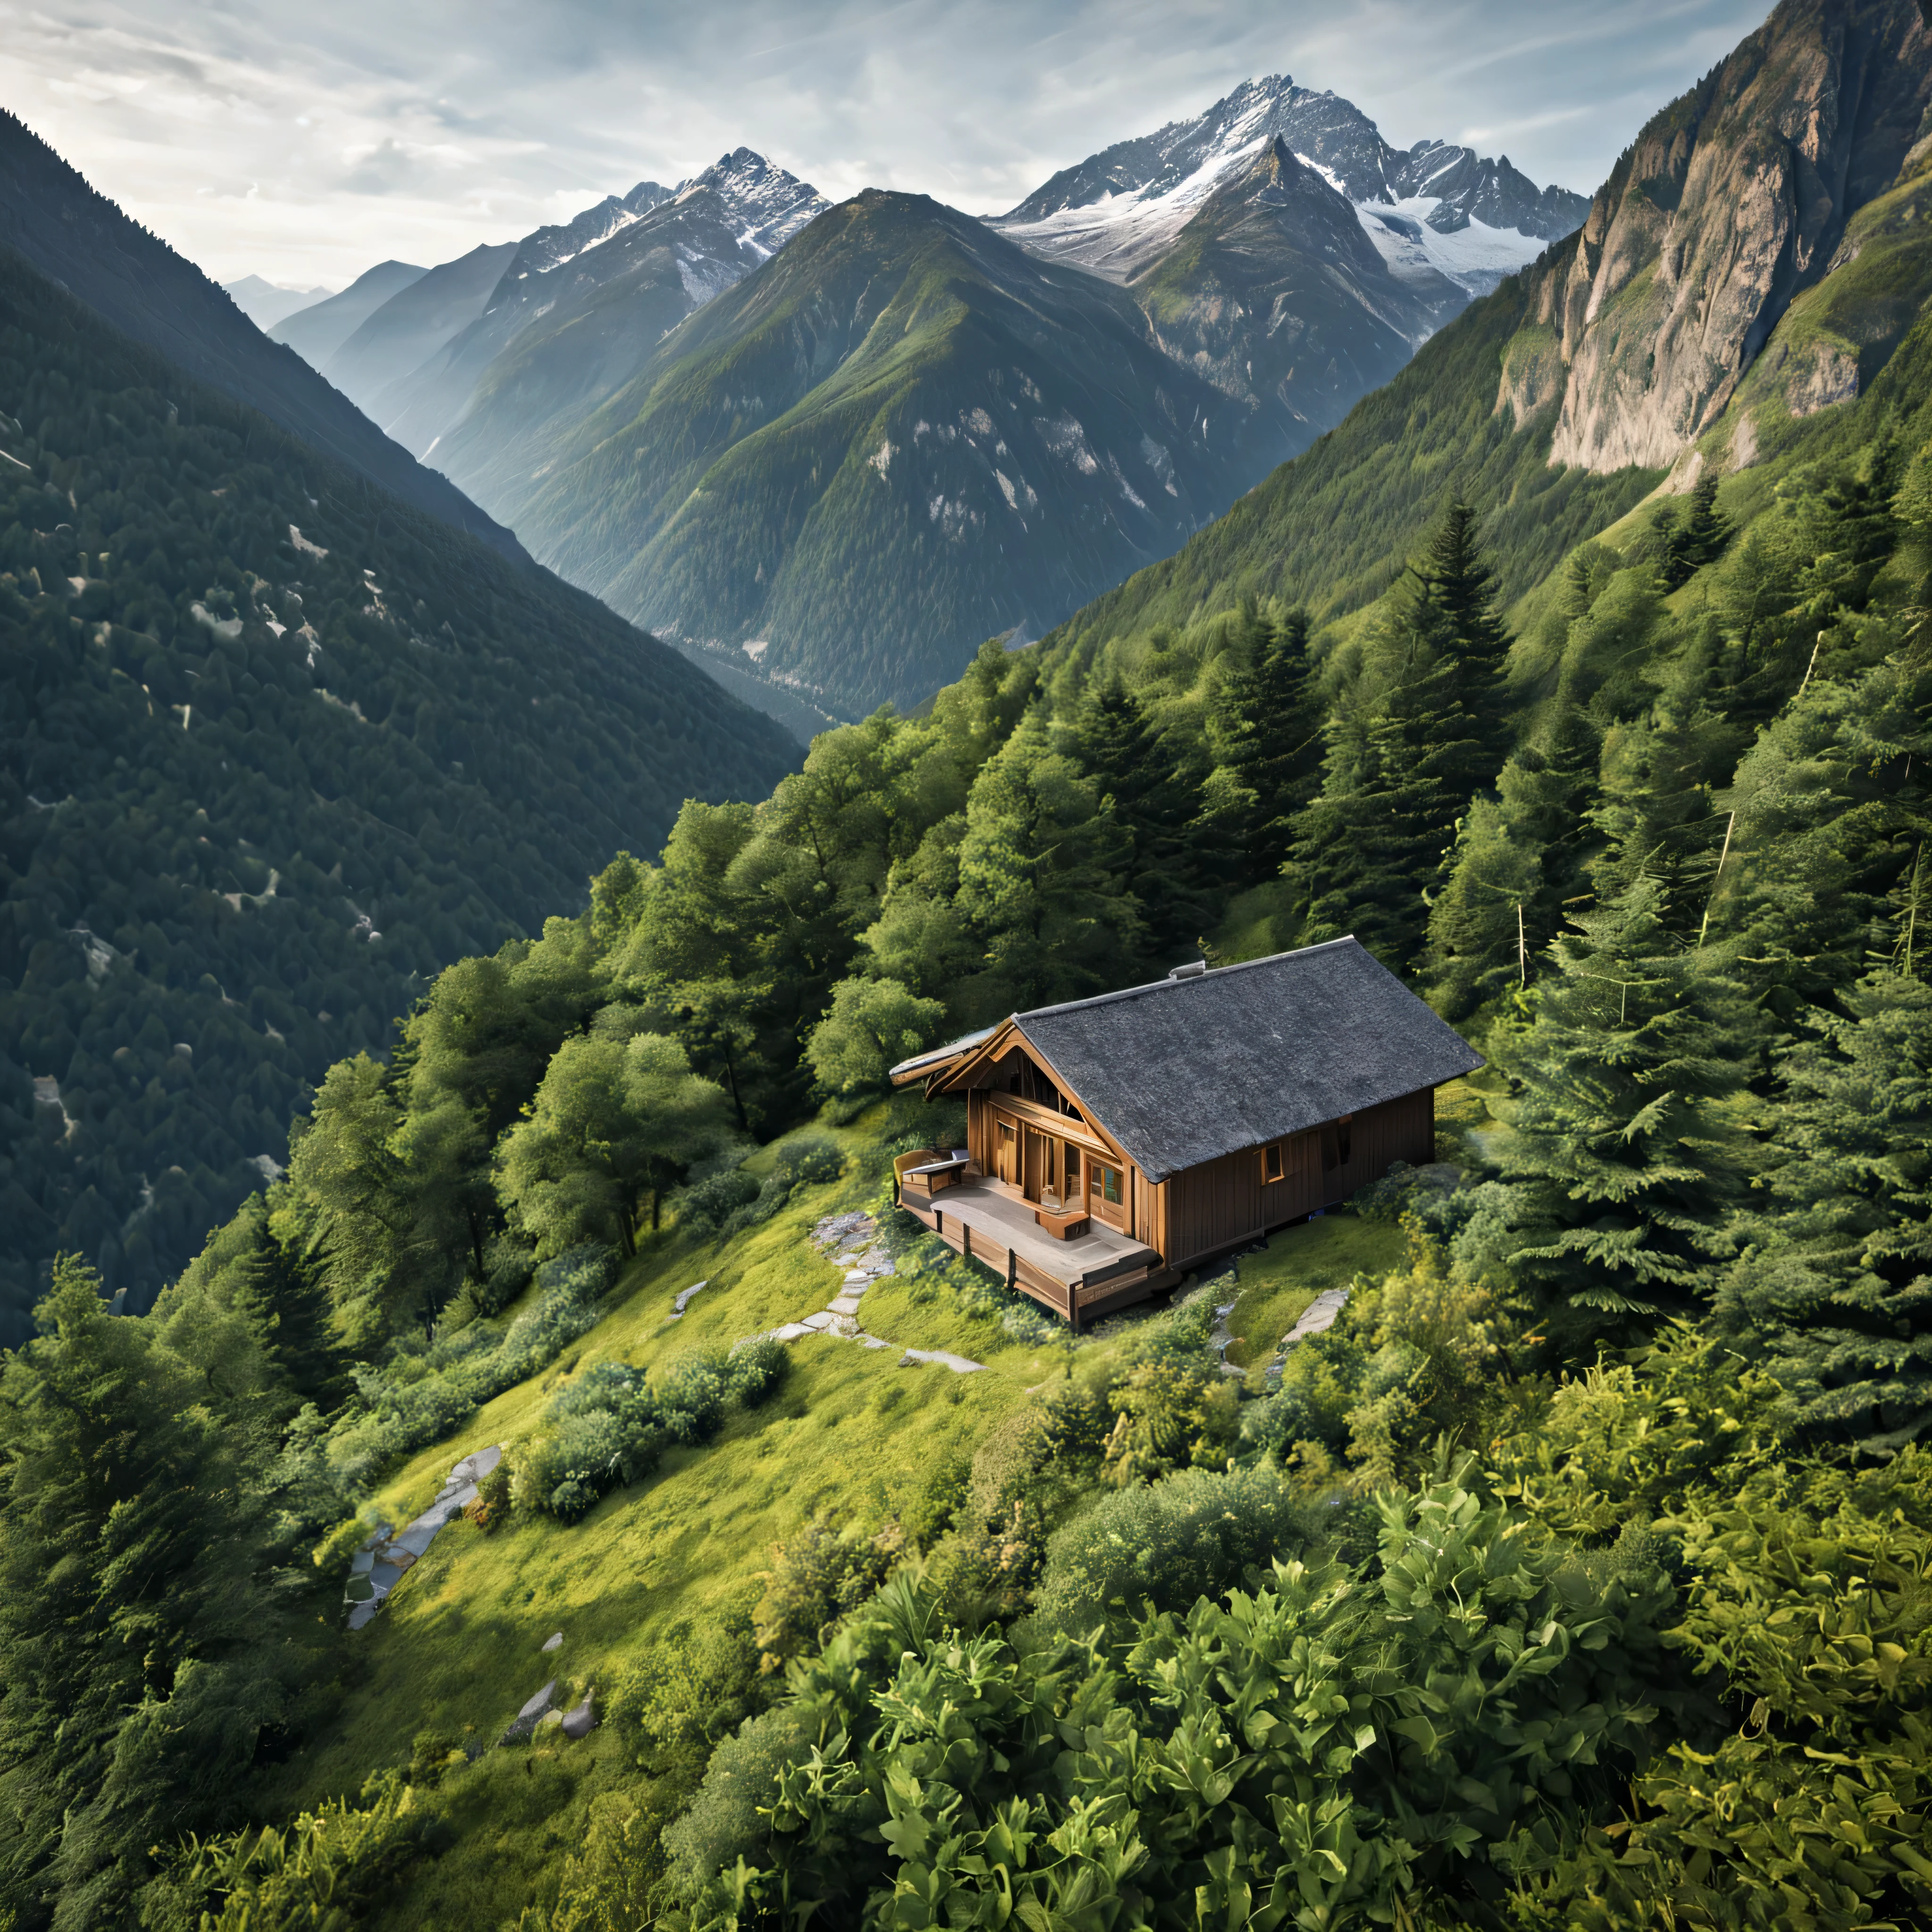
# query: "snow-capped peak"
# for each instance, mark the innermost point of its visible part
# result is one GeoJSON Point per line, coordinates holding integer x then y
{"type": "Point", "coordinates": [1118, 209]}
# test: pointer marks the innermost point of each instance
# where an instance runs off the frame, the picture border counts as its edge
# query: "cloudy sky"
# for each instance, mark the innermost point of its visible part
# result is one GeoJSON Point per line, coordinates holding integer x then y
{"type": "Point", "coordinates": [303, 142]}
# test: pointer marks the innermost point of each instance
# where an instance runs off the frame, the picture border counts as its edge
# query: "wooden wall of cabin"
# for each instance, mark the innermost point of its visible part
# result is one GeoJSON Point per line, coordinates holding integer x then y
{"type": "Point", "coordinates": [1207, 1208]}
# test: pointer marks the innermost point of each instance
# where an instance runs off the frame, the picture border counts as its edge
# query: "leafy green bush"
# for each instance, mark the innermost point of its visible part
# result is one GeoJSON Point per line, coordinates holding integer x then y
{"type": "Point", "coordinates": [678, 1698]}
{"type": "Point", "coordinates": [1197, 1534]}
{"type": "Point", "coordinates": [428, 1389]}
{"type": "Point", "coordinates": [730, 1817]}
{"type": "Point", "coordinates": [708, 1205]}
{"type": "Point", "coordinates": [1335, 1747]}
{"type": "Point", "coordinates": [612, 1425]}
{"type": "Point", "coordinates": [821, 1575]}
{"type": "Point", "coordinates": [756, 1369]}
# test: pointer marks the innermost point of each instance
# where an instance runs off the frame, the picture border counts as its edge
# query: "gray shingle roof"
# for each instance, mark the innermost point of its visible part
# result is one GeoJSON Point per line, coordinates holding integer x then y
{"type": "Point", "coordinates": [1185, 1070]}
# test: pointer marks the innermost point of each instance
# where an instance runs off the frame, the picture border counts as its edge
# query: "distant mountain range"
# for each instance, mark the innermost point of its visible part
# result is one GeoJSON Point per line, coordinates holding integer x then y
{"type": "Point", "coordinates": [792, 482]}
{"type": "Point", "coordinates": [264, 303]}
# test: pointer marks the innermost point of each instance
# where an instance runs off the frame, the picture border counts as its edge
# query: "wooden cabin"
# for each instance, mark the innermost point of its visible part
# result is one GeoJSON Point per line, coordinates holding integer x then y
{"type": "Point", "coordinates": [1112, 1143]}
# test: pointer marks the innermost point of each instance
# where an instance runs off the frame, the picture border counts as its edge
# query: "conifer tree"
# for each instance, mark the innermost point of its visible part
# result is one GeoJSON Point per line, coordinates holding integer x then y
{"type": "Point", "coordinates": [1371, 843]}
{"type": "Point", "coordinates": [1448, 608]}
{"type": "Point", "coordinates": [1154, 806]}
{"type": "Point", "coordinates": [1268, 723]}
{"type": "Point", "coordinates": [137, 1645]}
{"type": "Point", "coordinates": [1623, 1158]}
{"type": "Point", "coordinates": [1478, 929]}
{"type": "Point", "coordinates": [1835, 1286]}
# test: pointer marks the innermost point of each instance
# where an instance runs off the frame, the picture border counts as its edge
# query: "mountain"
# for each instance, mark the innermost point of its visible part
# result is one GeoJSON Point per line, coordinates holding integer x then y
{"type": "Point", "coordinates": [264, 303]}
{"type": "Point", "coordinates": [1728, 207]}
{"type": "Point", "coordinates": [901, 435]}
{"type": "Point", "coordinates": [1754, 258]}
{"type": "Point", "coordinates": [317, 332]}
{"type": "Point", "coordinates": [415, 322]}
{"type": "Point", "coordinates": [580, 307]}
{"type": "Point", "coordinates": [277, 747]}
{"type": "Point", "coordinates": [1443, 206]}
{"type": "Point", "coordinates": [1273, 293]}
{"type": "Point", "coordinates": [135, 281]}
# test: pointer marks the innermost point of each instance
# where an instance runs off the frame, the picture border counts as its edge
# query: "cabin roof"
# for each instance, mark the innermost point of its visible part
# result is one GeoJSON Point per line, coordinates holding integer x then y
{"type": "Point", "coordinates": [1187, 1070]}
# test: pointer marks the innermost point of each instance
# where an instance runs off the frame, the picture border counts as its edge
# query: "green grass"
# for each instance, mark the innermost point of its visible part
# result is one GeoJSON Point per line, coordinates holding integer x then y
{"type": "Point", "coordinates": [1300, 1262]}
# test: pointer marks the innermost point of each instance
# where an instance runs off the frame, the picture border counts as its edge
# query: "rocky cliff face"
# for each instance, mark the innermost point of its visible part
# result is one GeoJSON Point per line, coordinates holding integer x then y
{"type": "Point", "coordinates": [1729, 205]}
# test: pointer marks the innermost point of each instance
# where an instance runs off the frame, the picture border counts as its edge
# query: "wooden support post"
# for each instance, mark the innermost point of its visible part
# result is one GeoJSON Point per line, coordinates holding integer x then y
{"type": "Point", "coordinates": [966, 1239]}
{"type": "Point", "coordinates": [1012, 1266]}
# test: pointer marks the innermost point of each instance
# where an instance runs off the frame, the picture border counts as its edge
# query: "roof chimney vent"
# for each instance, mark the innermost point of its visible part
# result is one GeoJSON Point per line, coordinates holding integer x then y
{"type": "Point", "coordinates": [1192, 970]}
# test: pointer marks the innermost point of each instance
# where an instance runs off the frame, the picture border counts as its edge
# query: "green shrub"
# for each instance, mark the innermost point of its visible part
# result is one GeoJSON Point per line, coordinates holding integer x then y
{"type": "Point", "coordinates": [708, 1205]}
{"type": "Point", "coordinates": [756, 1369]}
{"type": "Point", "coordinates": [1197, 1534]}
{"type": "Point", "coordinates": [809, 1160]}
{"type": "Point", "coordinates": [679, 1697]}
{"type": "Point", "coordinates": [730, 1819]}
{"type": "Point", "coordinates": [821, 1575]}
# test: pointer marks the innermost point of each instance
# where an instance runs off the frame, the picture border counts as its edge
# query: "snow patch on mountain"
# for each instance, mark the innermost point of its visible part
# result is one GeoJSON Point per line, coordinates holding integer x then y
{"type": "Point", "coordinates": [1475, 257]}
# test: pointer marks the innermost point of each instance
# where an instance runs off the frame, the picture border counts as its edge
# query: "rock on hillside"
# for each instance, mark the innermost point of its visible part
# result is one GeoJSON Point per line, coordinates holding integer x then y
{"type": "Point", "coordinates": [1730, 203]}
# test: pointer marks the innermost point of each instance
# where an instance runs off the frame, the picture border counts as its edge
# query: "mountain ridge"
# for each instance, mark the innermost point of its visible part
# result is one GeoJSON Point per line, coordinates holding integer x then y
{"type": "Point", "coordinates": [134, 281]}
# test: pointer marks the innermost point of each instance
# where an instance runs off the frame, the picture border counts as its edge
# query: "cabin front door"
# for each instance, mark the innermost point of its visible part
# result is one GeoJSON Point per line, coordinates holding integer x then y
{"type": "Point", "coordinates": [1043, 1164]}
{"type": "Point", "coordinates": [1005, 1152]}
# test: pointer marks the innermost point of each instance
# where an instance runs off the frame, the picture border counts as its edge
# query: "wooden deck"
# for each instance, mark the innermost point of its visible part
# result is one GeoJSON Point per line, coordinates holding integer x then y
{"type": "Point", "coordinates": [993, 1224]}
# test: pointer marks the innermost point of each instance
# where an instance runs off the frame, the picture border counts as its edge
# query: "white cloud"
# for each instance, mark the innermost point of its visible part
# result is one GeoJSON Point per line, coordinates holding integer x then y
{"type": "Point", "coordinates": [302, 143]}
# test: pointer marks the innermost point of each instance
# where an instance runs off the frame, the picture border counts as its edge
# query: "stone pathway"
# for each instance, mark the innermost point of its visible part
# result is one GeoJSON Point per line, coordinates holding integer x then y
{"type": "Point", "coordinates": [1319, 1315]}
{"type": "Point", "coordinates": [853, 1240]}
{"type": "Point", "coordinates": [380, 1565]}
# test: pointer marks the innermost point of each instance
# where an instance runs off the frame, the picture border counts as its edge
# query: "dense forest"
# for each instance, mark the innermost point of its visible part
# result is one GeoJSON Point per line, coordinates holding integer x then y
{"type": "Point", "coordinates": [278, 748]}
{"type": "Point", "coordinates": [1576, 1577]}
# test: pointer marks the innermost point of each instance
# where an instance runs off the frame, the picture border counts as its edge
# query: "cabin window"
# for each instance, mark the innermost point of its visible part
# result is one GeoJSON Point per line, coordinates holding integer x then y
{"type": "Point", "coordinates": [1337, 1143]}
{"type": "Point", "coordinates": [1273, 1164]}
{"type": "Point", "coordinates": [1073, 1173]}
{"type": "Point", "coordinates": [1107, 1183]}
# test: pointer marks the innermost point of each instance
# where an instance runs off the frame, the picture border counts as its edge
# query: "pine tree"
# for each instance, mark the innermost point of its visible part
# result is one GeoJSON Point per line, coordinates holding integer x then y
{"type": "Point", "coordinates": [1448, 606]}
{"type": "Point", "coordinates": [1624, 1160]}
{"type": "Point", "coordinates": [1268, 725]}
{"type": "Point", "coordinates": [1371, 845]}
{"type": "Point", "coordinates": [1478, 931]}
{"type": "Point", "coordinates": [1154, 807]}
{"type": "Point", "coordinates": [1835, 1285]}
{"type": "Point", "coordinates": [137, 1643]}
{"type": "Point", "coordinates": [1695, 536]}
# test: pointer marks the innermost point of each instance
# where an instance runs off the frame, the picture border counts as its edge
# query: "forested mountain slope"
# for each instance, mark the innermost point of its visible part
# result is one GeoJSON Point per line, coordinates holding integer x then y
{"type": "Point", "coordinates": [139, 284]}
{"type": "Point", "coordinates": [901, 435]}
{"type": "Point", "coordinates": [278, 747]}
{"type": "Point", "coordinates": [1816, 111]}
